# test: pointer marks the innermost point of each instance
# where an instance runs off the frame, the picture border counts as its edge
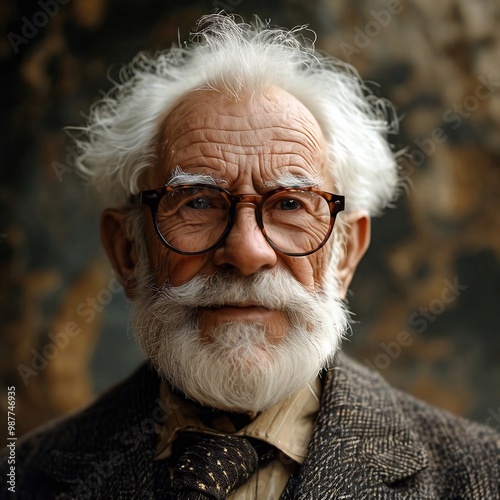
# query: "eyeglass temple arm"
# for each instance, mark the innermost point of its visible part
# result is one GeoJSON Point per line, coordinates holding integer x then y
{"type": "Point", "coordinates": [149, 197]}
{"type": "Point", "coordinates": [135, 199]}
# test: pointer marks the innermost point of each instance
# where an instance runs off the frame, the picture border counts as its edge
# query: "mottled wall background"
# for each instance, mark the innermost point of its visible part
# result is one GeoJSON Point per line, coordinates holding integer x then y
{"type": "Point", "coordinates": [427, 294]}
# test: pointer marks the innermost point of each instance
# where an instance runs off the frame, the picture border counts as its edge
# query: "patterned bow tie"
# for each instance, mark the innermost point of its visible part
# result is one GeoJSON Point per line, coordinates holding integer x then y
{"type": "Point", "coordinates": [211, 466]}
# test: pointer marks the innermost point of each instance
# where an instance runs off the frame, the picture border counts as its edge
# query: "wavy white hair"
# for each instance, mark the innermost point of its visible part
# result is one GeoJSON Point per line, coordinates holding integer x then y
{"type": "Point", "coordinates": [120, 139]}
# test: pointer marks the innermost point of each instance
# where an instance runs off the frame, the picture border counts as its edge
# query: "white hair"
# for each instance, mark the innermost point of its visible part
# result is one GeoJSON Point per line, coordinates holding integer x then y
{"type": "Point", "coordinates": [121, 137]}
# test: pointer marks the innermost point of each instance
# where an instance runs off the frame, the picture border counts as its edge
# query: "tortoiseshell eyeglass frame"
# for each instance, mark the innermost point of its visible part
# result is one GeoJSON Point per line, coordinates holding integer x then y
{"type": "Point", "coordinates": [152, 198]}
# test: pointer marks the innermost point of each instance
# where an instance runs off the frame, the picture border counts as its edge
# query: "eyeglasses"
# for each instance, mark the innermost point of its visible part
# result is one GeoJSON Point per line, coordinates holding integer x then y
{"type": "Point", "coordinates": [195, 219]}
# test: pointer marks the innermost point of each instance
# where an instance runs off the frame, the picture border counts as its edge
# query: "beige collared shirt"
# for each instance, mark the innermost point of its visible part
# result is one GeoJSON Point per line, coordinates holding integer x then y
{"type": "Point", "coordinates": [288, 426]}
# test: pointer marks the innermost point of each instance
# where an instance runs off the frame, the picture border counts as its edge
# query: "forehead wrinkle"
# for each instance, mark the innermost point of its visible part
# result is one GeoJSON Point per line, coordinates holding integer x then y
{"type": "Point", "coordinates": [226, 160]}
{"type": "Point", "coordinates": [208, 137]}
{"type": "Point", "coordinates": [192, 122]}
{"type": "Point", "coordinates": [230, 160]}
{"type": "Point", "coordinates": [277, 153]}
{"type": "Point", "coordinates": [283, 137]}
{"type": "Point", "coordinates": [171, 123]}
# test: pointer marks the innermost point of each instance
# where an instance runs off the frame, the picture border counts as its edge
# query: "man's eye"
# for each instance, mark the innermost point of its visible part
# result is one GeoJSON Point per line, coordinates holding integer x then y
{"type": "Point", "coordinates": [289, 205]}
{"type": "Point", "coordinates": [199, 203]}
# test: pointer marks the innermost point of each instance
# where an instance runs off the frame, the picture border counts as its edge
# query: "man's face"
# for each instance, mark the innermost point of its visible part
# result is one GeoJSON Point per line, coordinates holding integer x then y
{"type": "Point", "coordinates": [247, 145]}
{"type": "Point", "coordinates": [242, 326]}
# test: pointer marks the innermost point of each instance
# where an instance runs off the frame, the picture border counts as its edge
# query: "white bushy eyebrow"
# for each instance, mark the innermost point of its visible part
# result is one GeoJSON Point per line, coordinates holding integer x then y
{"type": "Point", "coordinates": [291, 180]}
{"type": "Point", "coordinates": [178, 176]}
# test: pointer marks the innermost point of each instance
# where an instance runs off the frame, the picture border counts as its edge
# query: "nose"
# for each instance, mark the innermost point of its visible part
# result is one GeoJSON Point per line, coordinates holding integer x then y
{"type": "Point", "coordinates": [245, 248]}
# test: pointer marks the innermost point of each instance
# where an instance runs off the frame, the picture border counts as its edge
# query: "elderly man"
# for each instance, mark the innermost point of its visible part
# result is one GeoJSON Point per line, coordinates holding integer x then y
{"type": "Point", "coordinates": [242, 172]}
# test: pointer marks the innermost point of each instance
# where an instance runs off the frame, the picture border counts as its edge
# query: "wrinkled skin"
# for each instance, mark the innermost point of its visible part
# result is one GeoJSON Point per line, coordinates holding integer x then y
{"type": "Point", "coordinates": [246, 144]}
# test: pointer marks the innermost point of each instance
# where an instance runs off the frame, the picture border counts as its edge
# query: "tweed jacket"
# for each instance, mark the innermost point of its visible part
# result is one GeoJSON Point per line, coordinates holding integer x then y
{"type": "Point", "coordinates": [370, 441]}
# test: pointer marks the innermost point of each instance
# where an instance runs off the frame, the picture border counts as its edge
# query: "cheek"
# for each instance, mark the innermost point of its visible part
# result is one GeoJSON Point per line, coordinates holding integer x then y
{"type": "Point", "coordinates": [158, 257]}
{"type": "Point", "coordinates": [302, 269]}
{"type": "Point", "coordinates": [170, 267]}
{"type": "Point", "coordinates": [319, 263]}
{"type": "Point", "coordinates": [181, 268]}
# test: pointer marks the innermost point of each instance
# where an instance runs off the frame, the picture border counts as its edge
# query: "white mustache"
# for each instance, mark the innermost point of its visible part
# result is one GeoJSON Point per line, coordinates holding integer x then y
{"type": "Point", "coordinates": [276, 290]}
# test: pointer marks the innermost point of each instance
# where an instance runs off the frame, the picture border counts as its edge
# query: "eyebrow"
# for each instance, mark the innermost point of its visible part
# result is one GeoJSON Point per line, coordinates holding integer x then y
{"type": "Point", "coordinates": [291, 180]}
{"type": "Point", "coordinates": [178, 176]}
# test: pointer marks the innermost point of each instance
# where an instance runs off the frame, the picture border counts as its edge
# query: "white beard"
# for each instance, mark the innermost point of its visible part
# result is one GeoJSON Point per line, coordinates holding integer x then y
{"type": "Point", "coordinates": [239, 370]}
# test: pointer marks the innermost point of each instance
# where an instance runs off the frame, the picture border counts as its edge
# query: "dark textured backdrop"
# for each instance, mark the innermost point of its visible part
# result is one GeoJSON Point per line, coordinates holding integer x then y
{"type": "Point", "coordinates": [427, 294]}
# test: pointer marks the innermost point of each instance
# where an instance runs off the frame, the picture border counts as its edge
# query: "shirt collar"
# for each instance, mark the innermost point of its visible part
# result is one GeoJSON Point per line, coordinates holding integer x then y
{"type": "Point", "coordinates": [288, 425]}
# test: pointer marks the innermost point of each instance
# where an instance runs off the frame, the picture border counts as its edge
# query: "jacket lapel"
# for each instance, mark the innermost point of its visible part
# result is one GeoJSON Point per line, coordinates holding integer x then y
{"type": "Point", "coordinates": [362, 445]}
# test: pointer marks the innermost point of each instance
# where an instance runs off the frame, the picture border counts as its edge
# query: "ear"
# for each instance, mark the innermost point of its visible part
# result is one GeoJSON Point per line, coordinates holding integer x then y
{"type": "Point", "coordinates": [119, 248]}
{"type": "Point", "coordinates": [357, 241]}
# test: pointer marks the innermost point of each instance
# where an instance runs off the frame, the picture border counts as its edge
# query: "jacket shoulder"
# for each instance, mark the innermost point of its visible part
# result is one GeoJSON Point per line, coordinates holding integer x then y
{"type": "Point", "coordinates": [113, 421]}
{"type": "Point", "coordinates": [462, 457]}
{"type": "Point", "coordinates": [450, 439]}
